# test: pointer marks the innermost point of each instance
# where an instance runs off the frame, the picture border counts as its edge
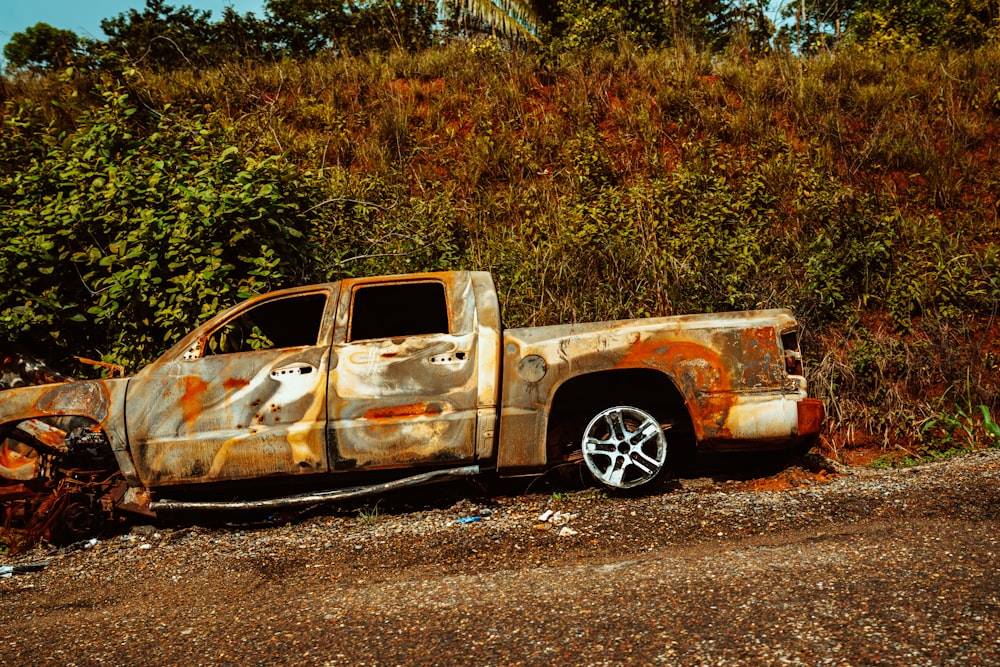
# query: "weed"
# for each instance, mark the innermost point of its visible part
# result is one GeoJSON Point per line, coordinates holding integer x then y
{"type": "Point", "coordinates": [930, 456]}
{"type": "Point", "coordinates": [370, 514]}
{"type": "Point", "coordinates": [598, 494]}
{"type": "Point", "coordinates": [952, 431]}
{"type": "Point", "coordinates": [961, 426]}
{"type": "Point", "coordinates": [884, 462]}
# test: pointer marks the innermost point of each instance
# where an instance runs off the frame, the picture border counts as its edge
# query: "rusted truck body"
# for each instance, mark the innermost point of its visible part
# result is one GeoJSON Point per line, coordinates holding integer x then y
{"type": "Point", "coordinates": [355, 386]}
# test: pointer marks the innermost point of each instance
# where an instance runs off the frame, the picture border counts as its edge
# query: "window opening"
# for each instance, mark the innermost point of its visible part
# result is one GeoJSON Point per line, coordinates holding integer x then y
{"type": "Point", "coordinates": [392, 311]}
{"type": "Point", "coordinates": [288, 322]}
{"type": "Point", "coordinates": [793, 357]}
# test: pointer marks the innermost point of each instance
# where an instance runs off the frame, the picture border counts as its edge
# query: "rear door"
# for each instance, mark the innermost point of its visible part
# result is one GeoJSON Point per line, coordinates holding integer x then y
{"type": "Point", "coordinates": [403, 383]}
{"type": "Point", "coordinates": [247, 400]}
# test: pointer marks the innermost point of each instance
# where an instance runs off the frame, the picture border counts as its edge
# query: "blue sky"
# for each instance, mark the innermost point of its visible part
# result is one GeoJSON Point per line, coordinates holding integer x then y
{"type": "Point", "coordinates": [84, 16]}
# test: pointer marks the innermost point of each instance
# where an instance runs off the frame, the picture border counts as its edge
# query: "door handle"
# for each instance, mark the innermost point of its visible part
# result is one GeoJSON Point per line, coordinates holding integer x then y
{"type": "Point", "coordinates": [298, 368]}
{"type": "Point", "coordinates": [448, 358]}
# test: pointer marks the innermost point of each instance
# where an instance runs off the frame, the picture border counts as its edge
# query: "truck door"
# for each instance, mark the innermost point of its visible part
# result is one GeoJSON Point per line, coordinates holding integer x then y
{"type": "Point", "coordinates": [403, 382]}
{"type": "Point", "coordinates": [246, 400]}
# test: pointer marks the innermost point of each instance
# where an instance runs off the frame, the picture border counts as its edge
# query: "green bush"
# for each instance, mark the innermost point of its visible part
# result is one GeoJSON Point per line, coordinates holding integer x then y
{"type": "Point", "coordinates": [366, 227]}
{"type": "Point", "coordinates": [124, 232]}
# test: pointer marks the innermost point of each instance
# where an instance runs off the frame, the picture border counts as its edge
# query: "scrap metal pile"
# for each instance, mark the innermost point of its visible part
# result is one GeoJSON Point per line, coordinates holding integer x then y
{"type": "Point", "coordinates": [56, 476]}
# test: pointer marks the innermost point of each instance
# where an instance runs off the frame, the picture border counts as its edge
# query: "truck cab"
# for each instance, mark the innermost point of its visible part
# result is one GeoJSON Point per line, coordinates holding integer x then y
{"type": "Point", "coordinates": [359, 375]}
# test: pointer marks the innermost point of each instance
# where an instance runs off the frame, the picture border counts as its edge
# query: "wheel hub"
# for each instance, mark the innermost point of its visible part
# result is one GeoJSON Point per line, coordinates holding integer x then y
{"type": "Point", "coordinates": [624, 447]}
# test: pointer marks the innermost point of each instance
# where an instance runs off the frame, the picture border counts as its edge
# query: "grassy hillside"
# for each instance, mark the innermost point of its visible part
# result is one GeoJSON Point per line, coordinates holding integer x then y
{"type": "Point", "coordinates": [859, 189]}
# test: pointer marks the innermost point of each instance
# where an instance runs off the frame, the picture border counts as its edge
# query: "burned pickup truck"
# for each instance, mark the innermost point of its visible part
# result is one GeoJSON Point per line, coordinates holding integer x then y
{"type": "Point", "coordinates": [324, 392]}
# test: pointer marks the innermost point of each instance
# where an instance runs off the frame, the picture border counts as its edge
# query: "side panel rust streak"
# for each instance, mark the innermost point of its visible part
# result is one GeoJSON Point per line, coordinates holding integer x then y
{"type": "Point", "coordinates": [230, 417]}
{"type": "Point", "coordinates": [489, 330]}
{"type": "Point", "coordinates": [729, 368]}
{"type": "Point", "coordinates": [199, 417]}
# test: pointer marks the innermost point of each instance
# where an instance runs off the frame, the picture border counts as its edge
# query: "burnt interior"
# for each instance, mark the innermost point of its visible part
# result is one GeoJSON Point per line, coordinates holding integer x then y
{"type": "Point", "coordinates": [290, 322]}
{"type": "Point", "coordinates": [793, 357]}
{"type": "Point", "coordinates": [392, 311]}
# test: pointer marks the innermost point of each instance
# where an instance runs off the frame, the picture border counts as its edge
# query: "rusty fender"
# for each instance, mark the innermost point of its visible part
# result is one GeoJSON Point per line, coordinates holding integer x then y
{"type": "Point", "coordinates": [100, 401]}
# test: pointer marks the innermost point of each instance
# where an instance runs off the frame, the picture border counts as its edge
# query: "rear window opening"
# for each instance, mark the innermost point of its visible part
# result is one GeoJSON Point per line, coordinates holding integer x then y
{"type": "Point", "coordinates": [793, 357]}
{"type": "Point", "coordinates": [394, 311]}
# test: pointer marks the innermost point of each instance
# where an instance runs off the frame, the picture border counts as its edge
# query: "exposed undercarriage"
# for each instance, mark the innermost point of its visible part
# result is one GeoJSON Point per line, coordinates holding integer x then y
{"type": "Point", "coordinates": [61, 490]}
{"type": "Point", "coordinates": [58, 477]}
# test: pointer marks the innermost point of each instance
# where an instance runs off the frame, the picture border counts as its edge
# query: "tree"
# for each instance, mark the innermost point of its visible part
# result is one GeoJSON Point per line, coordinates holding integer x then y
{"type": "Point", "coordinates": [304, 27]}
{"type": "Point", "coordinates": [161, 36]}
{"type": "Point", "coordinates": [241, 35]}
{"type": "Point", "coordinates": [512, 19]}
{"type": "Point", "coordinates": [708, 23]}
{"type": "Point", "coordinates": [41, 47]}
{"type": "Point", "coordinates": [891, 23]}
{"type": "Point", "coordinates": [817, 23]}
{"type": "Point", "coordinates": [960, 23]}
{"type": "Point", "coordinates": [389, 24]}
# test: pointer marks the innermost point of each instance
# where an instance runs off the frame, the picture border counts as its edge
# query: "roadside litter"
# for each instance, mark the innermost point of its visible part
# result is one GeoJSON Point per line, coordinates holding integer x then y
{"type": "Point", "coordinates": [556, 518]}
{"type": "Point", "coordinates": [550, 518]}
{"type": "Point", "coordinates": [7, 571]}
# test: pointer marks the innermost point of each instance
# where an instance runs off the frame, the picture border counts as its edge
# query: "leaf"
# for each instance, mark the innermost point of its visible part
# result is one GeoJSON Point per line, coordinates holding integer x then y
{"type": "Point", "coordinates": [991, 426]}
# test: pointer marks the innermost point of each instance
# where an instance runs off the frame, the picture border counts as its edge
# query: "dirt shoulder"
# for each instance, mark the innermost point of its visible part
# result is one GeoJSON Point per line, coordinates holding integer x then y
{"type": "Point", "coordinates": [872, 567]}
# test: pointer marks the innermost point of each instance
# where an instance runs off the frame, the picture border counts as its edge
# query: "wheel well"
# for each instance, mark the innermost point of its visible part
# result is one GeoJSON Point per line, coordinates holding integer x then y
{"type": "Point", "coordinates": [77, 440]}
{"type": "Point", "coordinates": [577, 400]}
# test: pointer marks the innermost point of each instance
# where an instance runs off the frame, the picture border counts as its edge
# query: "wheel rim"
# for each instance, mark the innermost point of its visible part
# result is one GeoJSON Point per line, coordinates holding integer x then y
{"type": "Point", "coordinates": [624, 447]}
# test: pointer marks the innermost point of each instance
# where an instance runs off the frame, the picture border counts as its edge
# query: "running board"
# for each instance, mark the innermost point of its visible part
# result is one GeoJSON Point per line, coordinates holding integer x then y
{"type": "Point", "coordinates": [317, 498]}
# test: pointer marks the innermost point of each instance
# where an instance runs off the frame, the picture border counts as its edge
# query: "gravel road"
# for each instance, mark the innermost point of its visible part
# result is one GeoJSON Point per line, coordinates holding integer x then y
{"type": "Point", "coordinates": [860, 568]}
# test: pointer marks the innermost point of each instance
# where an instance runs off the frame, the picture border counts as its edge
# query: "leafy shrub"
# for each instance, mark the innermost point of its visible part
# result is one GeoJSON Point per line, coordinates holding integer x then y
{"type": "Point", "coordinates": [126, 231]}
{"type": "Point", "coordinates": [851, 248]}
{"type": "Point", "coordinates": [367, 228]}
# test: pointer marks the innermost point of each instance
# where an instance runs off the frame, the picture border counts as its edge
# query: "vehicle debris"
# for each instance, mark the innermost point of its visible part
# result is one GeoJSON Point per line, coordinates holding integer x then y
{"type": "Point", "coordinates": [7, 571]}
